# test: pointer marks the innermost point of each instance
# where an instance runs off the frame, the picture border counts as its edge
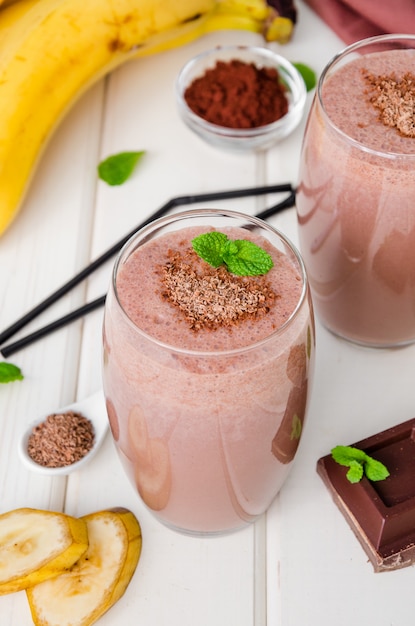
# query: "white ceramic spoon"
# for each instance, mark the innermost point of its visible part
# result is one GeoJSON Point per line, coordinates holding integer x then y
{"type": "Point", "coordinates": [92, 408]}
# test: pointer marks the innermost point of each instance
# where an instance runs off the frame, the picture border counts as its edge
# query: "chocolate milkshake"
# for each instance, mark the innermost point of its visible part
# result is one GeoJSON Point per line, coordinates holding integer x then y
{"type": "Point", "coordinates": [200, 366]}
{"type": "Point", "coordinates": [355, 201]}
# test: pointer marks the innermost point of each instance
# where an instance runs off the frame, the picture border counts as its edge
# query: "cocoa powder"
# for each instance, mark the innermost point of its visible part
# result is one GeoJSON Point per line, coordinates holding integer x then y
{"type": "Point", "coordinates": [236, 94]}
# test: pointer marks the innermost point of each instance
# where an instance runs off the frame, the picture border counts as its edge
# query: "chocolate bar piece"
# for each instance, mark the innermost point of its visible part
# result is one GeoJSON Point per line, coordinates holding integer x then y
{"type": "Point", "coordinates": [381, 513]}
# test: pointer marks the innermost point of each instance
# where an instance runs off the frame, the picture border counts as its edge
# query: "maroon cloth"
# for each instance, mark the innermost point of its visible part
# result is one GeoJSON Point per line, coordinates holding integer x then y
{"type": "Point", "coordinates": [353, 20]}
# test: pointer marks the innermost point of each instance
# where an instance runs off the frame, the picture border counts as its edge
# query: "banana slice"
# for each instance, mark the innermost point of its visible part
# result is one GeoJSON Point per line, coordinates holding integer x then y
{"type": "Point", "coordinates": [81, 595]}
{"type": "Point", "coordinates": [151, 459]}
{"type": "Point", "coordinates": [37, 545]}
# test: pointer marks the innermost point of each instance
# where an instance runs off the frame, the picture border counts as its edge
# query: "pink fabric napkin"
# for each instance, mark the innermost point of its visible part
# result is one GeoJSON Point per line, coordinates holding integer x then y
{"type": "Point", "coordinates": [353, 20]}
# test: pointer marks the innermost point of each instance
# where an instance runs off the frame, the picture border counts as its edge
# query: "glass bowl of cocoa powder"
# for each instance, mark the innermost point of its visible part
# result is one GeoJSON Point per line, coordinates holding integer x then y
{"type": "Point", "coordinates": [241, 98]}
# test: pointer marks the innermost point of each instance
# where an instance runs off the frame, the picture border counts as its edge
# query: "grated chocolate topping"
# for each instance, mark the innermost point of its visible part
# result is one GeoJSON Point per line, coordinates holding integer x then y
{"type": "Point", "coordinates": [211, 297]}
{"type": "Point", "coordinates": [62, 439]}
{"type": "Point", "coordinates": [395, 99]}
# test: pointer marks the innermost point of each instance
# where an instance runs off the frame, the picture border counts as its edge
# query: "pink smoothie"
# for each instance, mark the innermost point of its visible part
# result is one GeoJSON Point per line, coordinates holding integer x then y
{"type": "Point", "coordinates": [206, 422]}
{"type": "Point", "coordinates": [356, 210]}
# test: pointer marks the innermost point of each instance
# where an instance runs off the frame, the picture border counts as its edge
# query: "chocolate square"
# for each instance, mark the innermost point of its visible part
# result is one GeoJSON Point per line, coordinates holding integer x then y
{"type": "Point", "coordinates": [381, 513]}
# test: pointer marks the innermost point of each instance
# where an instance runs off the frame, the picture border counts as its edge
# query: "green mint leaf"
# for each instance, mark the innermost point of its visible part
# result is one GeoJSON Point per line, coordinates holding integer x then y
{"type": "Point", "coordinates": [9, 372]}
{"type": "Point", "coordinates": [245, 258]}
{"type": "Point", "coordinates": [309, 75]}
{"type": "Point", "coordinates": [375, 470]}
{"type": "Point", "coordinates": [351, 457]}
{"type": "Point", "coordinates": [355, 473]}
{"type": "Point", "coordinates": [242, 257]}
{"type": "Point", "coordinates": [345, 454]}
{"type": "Point", "coordinates": [210, 247]}
{"type": "Point", "coordinates": [116, 169]}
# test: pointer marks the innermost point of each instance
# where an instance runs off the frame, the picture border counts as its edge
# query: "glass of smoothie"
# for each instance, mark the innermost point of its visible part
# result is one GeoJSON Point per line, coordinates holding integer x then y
{"type": "Point", "coordinates": [356, 194]}
{"type": "Point", "coordinates": [207, 369]}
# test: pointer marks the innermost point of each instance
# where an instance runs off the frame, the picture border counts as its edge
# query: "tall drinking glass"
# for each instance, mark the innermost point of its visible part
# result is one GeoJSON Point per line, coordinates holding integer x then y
{"type": "Point", "coordinates": [356, 195]}
{"type": "Point", "coordinates": [206, 415]}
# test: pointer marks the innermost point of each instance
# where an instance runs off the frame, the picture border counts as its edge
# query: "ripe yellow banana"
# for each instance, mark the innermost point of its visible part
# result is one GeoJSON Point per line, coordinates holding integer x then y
{"type": "Point", "coordinates": [51, 51]}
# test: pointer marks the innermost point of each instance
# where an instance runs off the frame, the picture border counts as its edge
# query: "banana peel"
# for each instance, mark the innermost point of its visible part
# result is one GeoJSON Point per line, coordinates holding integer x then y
{"type": "Point", "coordinates": [81, 595]}
{"type": "Point", "coordinates": [67, 45]}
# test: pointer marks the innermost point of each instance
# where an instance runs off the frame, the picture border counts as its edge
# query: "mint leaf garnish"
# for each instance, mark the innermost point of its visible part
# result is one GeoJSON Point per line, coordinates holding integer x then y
{"type": "Point", "coordinates": [211, 247]}
{"type": "Point", "coordinates": [344, 454]}
{"type": "Point", "coordinates": [245, 258]}
{"type": "Point", "coordinates": [375, 470]}
{"type": "Point", "coordinates": [9, 372]}
{"type": "Point", "coordinates": [116, 169]}
{"type": "Point", "coordinates": [355, 473]}
{"type": "Point", "coordinates": [241, 257]}
{"type": "Point", "coordinates": [309, 75]}
{"type": "Point", "coordinates": [359, 463]}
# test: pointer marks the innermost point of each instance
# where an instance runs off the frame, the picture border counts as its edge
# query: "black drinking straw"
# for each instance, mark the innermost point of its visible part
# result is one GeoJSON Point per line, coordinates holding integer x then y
{"type": "Point", "coordinates": [11, 348]}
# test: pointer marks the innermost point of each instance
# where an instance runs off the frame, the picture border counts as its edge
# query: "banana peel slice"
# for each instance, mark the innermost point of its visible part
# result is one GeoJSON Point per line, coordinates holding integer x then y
{"type": "Point", "coordinates": [83, 594]}
{"type": "Point", "coordinates": [37, 545]}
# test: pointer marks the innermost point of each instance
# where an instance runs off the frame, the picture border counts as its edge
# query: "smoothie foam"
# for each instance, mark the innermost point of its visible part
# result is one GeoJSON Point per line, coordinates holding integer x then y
{"type": "Point", "coordinates": [206, 428]}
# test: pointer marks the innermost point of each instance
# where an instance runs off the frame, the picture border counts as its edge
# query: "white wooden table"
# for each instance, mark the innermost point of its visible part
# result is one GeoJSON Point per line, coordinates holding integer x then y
{"type": "Point", "coordinates": [300, 565]}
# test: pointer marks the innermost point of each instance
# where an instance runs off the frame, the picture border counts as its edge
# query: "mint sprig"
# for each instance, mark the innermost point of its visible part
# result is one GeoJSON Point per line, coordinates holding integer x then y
{"type": "Point", "coordinates": [308, 75]}
{"type": "Point", "coordinates": [117, 168]}
{"type": "Point", "coordinates": [9, 372]}
{"type": "Point", "coordinates": [359, 464]}
{"type": "Point", "coordinates": [240, 256]}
